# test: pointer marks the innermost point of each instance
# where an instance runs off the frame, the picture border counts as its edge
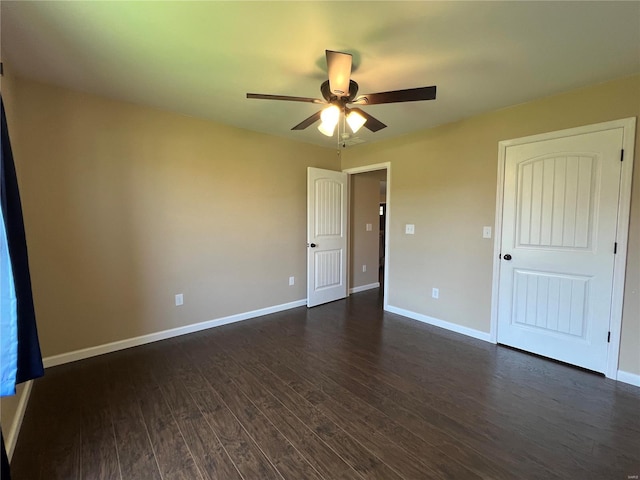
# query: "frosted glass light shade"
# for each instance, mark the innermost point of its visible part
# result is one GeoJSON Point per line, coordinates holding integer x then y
{"type": "Point", "coordinates": [355, 121]}
{"type": "Point", "coordinates": [330, 115]}
{"type": "Point", "coordinates": [326, 129]}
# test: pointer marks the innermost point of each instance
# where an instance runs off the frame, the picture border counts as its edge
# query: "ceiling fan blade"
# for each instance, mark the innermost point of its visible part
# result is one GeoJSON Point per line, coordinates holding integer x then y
{"type": "Point", "coordinates": [397, 96]}
{"type": "Point", "coordinates": [284, 97]}
{"type": "Point", "coordinates": [308, 121]}
{"type": "Point", "coordinates": [372, 123]}
{"type": "Point", "coordinates": [339, 70]}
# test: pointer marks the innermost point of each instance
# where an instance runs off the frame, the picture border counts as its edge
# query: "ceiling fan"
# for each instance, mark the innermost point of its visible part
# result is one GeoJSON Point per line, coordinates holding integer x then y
{"type": "Point", "coordinates": [339, 91]}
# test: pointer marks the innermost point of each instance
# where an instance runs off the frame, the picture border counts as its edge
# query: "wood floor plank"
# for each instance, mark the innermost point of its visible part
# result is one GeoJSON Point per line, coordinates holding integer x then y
{"type": "Point", "coordinates": [233, 453]}
{"type": "Point", "coordinates": [135, 452]}
{"type": "Point", "coordinates": [62, 435]}
{"type": "Point", "coordinates": [403, 410]}
{"type": "Point", "coordinates": [363, 422]}
{"type": "Point", "coordinates": [246, 455]}
{"type": "Point", "coordinates": [171, 451]}
{"type": "Point", "coordinates": [99, 449]}
{"type": "Point", "coordinates": [286, 459]}
{"type": "Point", "coordinates": [362, 460]}
{"type": "Point", "coordinates": [382, 403]}
{"type": "Point", "coordinates": [446, 466]}
{"type": "Point", "coordinates": [210, 455]}
{"type": "Point", "coordinates": [541, 429]}
{"type": "Point", "coordinates": [326, 461]}
{"type": "Point", "coordinates": [427, 437]}
{"type": "Point", "coordinates": [343, 391]}
{"type": "Point", "coordinates": [526, 462]}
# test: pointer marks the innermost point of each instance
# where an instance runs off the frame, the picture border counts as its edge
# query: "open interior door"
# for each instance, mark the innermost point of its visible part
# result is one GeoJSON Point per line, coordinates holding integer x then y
{"type": "Point", "coordinates": [326, 236]}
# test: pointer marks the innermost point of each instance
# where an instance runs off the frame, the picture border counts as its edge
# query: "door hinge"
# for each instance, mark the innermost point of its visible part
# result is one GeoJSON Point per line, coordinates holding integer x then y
{"type": "Point", "coordinates": [609, 337]}
{"type": "Point", "coordinates": [622, 155]}
{"type": "Point", "coordinates": [615, 248]}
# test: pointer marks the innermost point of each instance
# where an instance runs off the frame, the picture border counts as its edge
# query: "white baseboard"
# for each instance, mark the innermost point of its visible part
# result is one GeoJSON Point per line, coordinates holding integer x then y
{"type": "Point", "coordinates": [440, 323]}
{"type": "Point", "coordinates": [14, 429]}
{"type": "Point", "coordinates": [630, 378]}
{"type": "Point", "coordinates": [362, 288]}
{"type": "Point", "coordinates": [54, 360]}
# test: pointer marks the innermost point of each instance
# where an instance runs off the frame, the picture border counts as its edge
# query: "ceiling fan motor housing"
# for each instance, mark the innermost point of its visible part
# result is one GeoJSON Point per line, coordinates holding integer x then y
{"type": "Point", "coordinates": [340, 101]}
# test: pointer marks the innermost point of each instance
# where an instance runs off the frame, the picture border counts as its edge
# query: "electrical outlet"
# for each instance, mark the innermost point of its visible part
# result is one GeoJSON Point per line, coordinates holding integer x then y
{"type": "Point", "coordinates": [364, 268]}
{"type": "Point", "coordinates": [435, 292]}
{"type": "Point", "coordinates": [179, 299]}
{"type": "Point", "coordinates": [292, 281]}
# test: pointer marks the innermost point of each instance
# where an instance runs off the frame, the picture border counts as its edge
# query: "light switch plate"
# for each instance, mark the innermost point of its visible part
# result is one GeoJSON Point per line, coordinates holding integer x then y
{"type": "Point", "coordinates": [409, 229]}
{"type": "Point", "coordinates": [486, 232]}
{"type": "Point", "coordinates": [369, 227]}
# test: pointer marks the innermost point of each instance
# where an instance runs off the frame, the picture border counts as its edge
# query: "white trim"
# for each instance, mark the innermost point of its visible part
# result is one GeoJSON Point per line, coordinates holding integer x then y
{"type": "Point", "coordinates": [371, 168]}
{"type": "Point", "coordinates": [174, 332]}
{"type": "Point", "coordinates": [624, 202]}
{"type": "Point", "coordinates": [367, 168]}
{"type": "Point", "coordinates": [454, 327]}
{"type": "Point", "coordinates": [363, 288]}
{"type": "Point", "coordinates": [497, 240]}
{"type": "Point", "coordinates": [622, 236]}
{"type": "Point", "coordinates": [630, 378]}
{"type": "Point", "coordinates": [14, 429]}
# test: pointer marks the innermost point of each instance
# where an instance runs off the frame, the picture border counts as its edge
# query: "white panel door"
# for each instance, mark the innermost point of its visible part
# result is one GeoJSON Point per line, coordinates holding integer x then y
{"type": "Point", "coordinates": [326, 236]}
{"type": "Point", "coordinates": [559, 229]}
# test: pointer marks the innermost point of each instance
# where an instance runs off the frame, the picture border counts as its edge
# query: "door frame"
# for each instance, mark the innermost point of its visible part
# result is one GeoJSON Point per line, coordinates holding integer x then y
{"type": "Point", "coordinates": [372, 168]}
{"type": "Point", "coordinates": [624, 203]}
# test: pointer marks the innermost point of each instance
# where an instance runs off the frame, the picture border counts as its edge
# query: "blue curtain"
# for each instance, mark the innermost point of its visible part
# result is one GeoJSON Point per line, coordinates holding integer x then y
{"type": "Point", "coordinates": [20, 357]}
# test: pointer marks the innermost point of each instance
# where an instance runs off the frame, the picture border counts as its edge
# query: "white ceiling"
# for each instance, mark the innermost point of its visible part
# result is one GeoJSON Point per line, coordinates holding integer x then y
{"type": "Point", "coordinates": [201, 58]}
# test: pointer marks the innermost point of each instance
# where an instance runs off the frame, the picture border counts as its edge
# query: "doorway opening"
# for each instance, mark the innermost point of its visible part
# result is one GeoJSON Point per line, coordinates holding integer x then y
{"type": "Point", "coordinates": [368, 227]}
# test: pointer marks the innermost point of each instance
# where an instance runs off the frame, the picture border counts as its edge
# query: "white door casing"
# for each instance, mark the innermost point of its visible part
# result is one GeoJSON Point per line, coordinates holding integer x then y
{"type": "Point", "coordinates": [561, 216]}
{"type": "Point", "coordinates": [326, 236]}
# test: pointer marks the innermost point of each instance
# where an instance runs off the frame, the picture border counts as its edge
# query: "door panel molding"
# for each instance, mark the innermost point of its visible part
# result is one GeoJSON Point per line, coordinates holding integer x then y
{"type": "Point", "coordinates": [628, 126]}
{"type": "Point", "coordinates": [326, 236]}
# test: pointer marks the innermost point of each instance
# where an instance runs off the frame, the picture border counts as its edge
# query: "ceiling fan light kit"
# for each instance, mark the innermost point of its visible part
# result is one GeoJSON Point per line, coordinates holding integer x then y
{"type": "Point", "coordinates": [330, 117]}
{"type": "Point", "coordinates": [327, 129]}
{"type": "Point", "coordinates": [339, 91]}
{"type": "Point", "coordinates": [355, 121]}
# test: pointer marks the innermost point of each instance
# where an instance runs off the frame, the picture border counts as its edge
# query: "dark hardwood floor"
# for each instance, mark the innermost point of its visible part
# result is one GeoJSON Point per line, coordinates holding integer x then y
{"type": "Point", "coordinates": [341, 391]}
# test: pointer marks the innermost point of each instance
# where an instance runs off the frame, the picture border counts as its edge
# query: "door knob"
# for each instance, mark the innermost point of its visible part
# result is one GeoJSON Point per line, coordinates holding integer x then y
{"type": "Point", "coordinates": [507, 257]}
{"type": "Point", "coordinates": [312, 245]}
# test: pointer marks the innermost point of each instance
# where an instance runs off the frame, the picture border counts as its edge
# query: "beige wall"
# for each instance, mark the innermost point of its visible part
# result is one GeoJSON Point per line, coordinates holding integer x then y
{"type": "Point", "coordinates": [443, 180]}
{"type": "Point", "coordinates": [127, 206]}
{"type": "Point", "coordinates": [365, 207]}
